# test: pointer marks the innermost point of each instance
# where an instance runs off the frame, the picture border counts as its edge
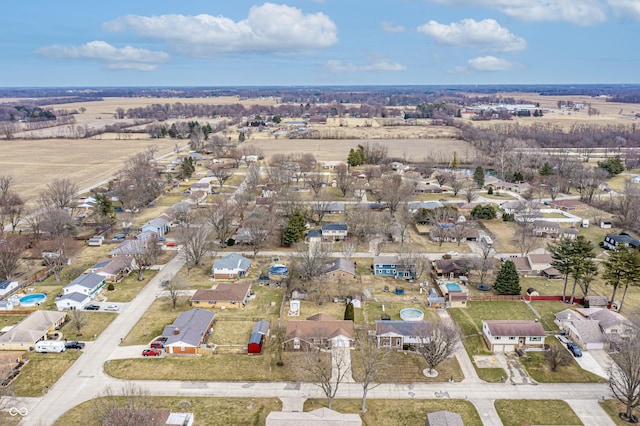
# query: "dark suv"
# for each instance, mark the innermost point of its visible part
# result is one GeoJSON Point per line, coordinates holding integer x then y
{"type": "Point", "coordinates": [574, 349]}
{"type": "Point", "coordinates": [92, 307]}
{"type": "Point", "coordinates": [74, 345]}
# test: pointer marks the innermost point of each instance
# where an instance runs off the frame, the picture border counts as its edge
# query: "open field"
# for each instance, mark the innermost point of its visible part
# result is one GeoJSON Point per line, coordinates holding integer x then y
{"type": "Point", "coordinates": [206, 411]}
{"type": "Point", "coordinates": [536, 412]}
{"type": "Point", "coordinates": [407, 412]}
{"type": "Point", "coordinates": [42, 371]}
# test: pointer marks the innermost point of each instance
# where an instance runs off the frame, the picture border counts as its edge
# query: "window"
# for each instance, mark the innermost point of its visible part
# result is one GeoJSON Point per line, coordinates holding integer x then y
{"type": "Point", "coordinates": [535, 339]}
{"type": "Point", "coordinates": [496, 338]}
{"type": "Point", "coordinates": [512, 338]}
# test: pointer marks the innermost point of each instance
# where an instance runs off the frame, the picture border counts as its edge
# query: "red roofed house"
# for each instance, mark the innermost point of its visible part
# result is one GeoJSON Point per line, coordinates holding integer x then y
{"type": "Point", "coordinates": [319, 330]}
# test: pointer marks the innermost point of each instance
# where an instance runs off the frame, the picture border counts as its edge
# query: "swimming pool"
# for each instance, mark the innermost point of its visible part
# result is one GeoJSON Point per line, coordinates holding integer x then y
{"type": "Point", "coordinates": [453, 287]}
{"type": "Point", "coordinates": [411, 314]}
{"type": "Point", "coordinates": [32, 299]}
{"type": "Point", "coordinates": [280, 270]}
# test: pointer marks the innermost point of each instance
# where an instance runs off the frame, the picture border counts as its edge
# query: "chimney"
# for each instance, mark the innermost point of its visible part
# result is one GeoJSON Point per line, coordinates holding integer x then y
{"type": "Point", "coordinates": [176, 331]}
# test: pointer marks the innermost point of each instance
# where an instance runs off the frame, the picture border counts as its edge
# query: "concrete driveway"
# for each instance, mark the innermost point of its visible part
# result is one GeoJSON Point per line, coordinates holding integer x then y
{"type": "Point", "coordinates": [588, 362]}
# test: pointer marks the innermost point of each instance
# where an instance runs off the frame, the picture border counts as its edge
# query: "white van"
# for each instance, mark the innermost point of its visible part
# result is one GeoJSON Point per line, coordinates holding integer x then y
{"type": "Point", "coordinates": [45, 346]}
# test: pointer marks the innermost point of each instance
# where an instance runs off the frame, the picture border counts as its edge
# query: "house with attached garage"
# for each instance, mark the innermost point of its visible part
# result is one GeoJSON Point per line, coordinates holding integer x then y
{"type": "Point", "coordinates": [189, 332]}
{"type": "Point", "coordinates": [510, 335]}
{"type": "Point", "coordinates": [113, 269]}
{"type": "Point", "coordinates": [231, 266]}
{"type": "Point", "coordinates": [339, 268]}
{"type": "Point", "coordinates": [223, 296]}
{"type": "Point", "coordinates": [392, 266]}
{"type": "Point", "coordinates": [319, 331]}
{"type": "Point", "coordinates": [594, 328]}
{"type": "Point", "coordinates": [396, 334]}
{"type": "Point", "coordinates": [31, 329]}
{"type": "Point", "coordinates": [88, 284]}
{"type": "Point", "coordinates": [72, 301]}
{"type": "Point", "coordinates": [160, 225]}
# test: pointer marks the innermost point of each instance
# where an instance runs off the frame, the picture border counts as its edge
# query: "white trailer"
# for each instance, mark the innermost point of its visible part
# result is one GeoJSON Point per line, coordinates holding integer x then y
{"type": "Point", "coordinates": [45, 346]}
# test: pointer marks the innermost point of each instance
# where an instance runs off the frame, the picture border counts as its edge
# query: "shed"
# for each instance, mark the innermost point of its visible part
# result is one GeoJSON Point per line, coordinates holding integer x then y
{"type": "Point", "coordinates": [255, 343]}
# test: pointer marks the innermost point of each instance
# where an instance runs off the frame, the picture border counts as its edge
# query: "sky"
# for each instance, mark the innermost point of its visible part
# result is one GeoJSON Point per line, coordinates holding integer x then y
{"type": "Point", "coordinates": [73, 43]}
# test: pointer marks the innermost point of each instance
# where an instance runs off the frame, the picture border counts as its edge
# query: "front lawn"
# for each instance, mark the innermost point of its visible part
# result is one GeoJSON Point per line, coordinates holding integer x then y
{"type": "Point", "coordinates": [399, 413]}
{"type": "Point", "coordinates": [470, 318]}
{"type": "Point", "coordinates": [42, 371]}
{"type": "Point", "coordinates": [127, 289]}
{"type": "Point", "coordinates": [535, 412]}
{"type": "Point", "coordinates": [412, 364]}
{"type": "Point", "coordinates": [206, 411]}
{"type": "Point", "coordinates": [613, 407]}
{"type": "Point", "coordinates": [98, 322]}
{"type": "Point", "coordinates": [539, 371]}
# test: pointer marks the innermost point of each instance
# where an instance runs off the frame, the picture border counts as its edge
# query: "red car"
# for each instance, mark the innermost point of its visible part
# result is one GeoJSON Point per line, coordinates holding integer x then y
{"type": "Point", "coordinates": [152, 352]}
{"type": "Point", "coordinates": [172, 244]}
{"type": "Point", "coordinates": [157, 344]}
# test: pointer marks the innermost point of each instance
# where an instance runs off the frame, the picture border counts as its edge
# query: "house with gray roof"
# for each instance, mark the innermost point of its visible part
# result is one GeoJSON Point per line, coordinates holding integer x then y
{"type": "Point", "coordinates": [113, 269]}
{"type": "Point", "coordinates": [31, 329]}
{"type": "Point", "coordinates": [7, 286]}
{"type": "Point", "coordinates": [334, 231]}
{"type": "Point", "coordinates": [188, 332]}
{"type": "Point", "coordinates": [160, 225]}
{"type": "Point", "coordinates": [72, 301]}
{"type": "Point", "coordinates": [396, 334]}
{"type": "Point", "coordinates": [87, 284]}
{"type": "Point", "coordinates": [587, 334]}
{"type": "Point", "coordinates": [231, 266]}
{"type": "Point", "coordinates": [509, 335]}
{"type": "Point", "coordinates": [339, 268]}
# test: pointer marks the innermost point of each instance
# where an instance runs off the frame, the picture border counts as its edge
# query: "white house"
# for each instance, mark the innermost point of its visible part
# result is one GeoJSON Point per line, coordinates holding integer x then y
{"type": "Point", "coordinates": [72, 301]}
{"type": "Point", "coordinates": [334, 231]}
{"type": "Point", "coordinates": [231, 266]}
{"type": "Point", "coordinates": [509, 335]}
{"type": "Point", "coordinates": [160, 225]}
{"type": "Point", "coordinates": [7, 287]}
{"type": "Point", "coordinates": [395, 334]}
{"type": "Point", "coordinates": [87, 284]}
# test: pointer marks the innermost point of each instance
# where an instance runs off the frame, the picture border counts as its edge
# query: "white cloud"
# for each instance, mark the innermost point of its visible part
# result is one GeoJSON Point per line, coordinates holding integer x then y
{"type": "Point", "coordinates": [390, 27]}
{"type": "Point", "coordinates": [578, 12]}
{"type": "Point", "coordinates": [113, 58]}
{"type": "Point", "coordinates": [379, 65]}
{"type": "Point", "coordinates": [486, 35]}
{"type": "Point", "coordinates": [268, 28]}
{"type": "Point", "coordinates": [487, 64]}
{"type": "Point", "coordinates": [626, 9]}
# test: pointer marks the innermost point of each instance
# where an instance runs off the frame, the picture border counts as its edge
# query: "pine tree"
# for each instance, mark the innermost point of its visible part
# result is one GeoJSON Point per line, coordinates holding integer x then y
{"type": "Point", "coordinates": [561, 255]}
{"type": "Point", "coordinates": [349, 313]}
{"type": "Point", "coordinates": [455, 163]}
{"type": "Point", "coordinates": [546, 170]}
{"type": "Point", "coordinates": [507, 281]}
{"type": "Point", "coordinates": [295, 229]}
{"type": "Point", "coordinates": [478, 176]}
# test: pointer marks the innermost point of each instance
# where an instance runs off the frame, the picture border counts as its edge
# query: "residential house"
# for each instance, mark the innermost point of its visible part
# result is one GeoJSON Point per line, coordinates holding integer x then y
{"type": "Point", "coordinates": [320, 330]}
{"type": "Point", "coordinates": [426, 188]}
{"type": "Point", "coordinates": [392, 266]}
{"type": "Point", "coordinates": [223, 296]}
{"type": "Point", "coordinates": [613, 324]}
{"type": "Point", "coordinates": [509, 335]}
{"type": "Point", "coordinates": [319, 417]}
{"type": "Point", "coordinates": [523, 267]}
{"type": "Point", "coordinates": [231, 266]}
{"type": "Point", "coordinates": [242, 236]}
{"type": "Point", "coordinates": [258, 335]}
{"type": "Point", "coordinates": [188, 332]}
{"type": "Point", "coordinates": [334, 231]}
{"type": "Point", "coordinates": [414, 206]}
{"type": "Point", "coordinates": [444, 418]}
{"type": "Point", "coordinates": [587, 334]}
{"type": "Point", "coordinates": [113, 269]}
{"type": "Point", "coordinates": [546, 229]}
{"type": "Point", "coordinates": [160, 225]}
{"type": "Point", "coordinates": [594, 328]}
{"type": "Point", "coordinates": [339, 268]}
{"type": "Point", "coordinates": [87, 284]}
{"type": "Point", "coordinates": [396, 334]}
{"type": "Point", "coordinates": [539, 262]}
{"type": "Point", "coordinates": [332, 207]}
{"type": "Point", "coordinates": [7, 287]}
{"type": "Point", "coordinates": [314, 236]}
{"type": "Point", "coordinates": [449, 233]}
{"type": "Point", "coordinates": [201, 185]}
{"type": "Point", "coordinates": [613, 241]}
{"type": "Point", "coordinates": [130, 248]}
{"type": "Point", "coordinates": [31, 329]}
{"type": "Point", "coordinates": [567, 205]}
{"type": "Point", "coordinates": [72, 301]}
{"type": "Point", "coordinates": [450, 268]}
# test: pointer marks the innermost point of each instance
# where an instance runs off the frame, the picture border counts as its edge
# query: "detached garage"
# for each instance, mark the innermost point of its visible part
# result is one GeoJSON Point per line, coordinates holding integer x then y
{"type": "Point", "coordinates": [256, 341]}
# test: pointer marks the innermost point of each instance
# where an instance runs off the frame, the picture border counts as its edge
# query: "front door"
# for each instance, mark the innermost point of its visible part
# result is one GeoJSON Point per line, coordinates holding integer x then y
{"type": "Point", "coordinates": [521, 342]}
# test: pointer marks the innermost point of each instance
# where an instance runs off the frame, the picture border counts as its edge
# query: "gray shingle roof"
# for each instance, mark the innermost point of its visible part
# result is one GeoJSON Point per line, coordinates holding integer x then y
{"type": "Point", "coordinates": [75, 296]}
{"type": "Point", "coordinates": [524, 328]}
{"type": "Point", "coordinates": [404, 328]}
{"type": "Point", "coordinates": [334, 227]}
{"type": "Point", "coordinates": [232, 261]}
{"type": "Point", "coordinates": [89, 281]}
{"type": "Point", "coordinates": [190, 327]}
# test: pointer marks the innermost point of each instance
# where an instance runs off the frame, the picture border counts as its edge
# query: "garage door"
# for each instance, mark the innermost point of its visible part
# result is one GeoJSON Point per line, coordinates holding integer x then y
{"type": "Point", "coordinates": [340, 342]}
{"type": "Point", "coordinates": [591, 346]}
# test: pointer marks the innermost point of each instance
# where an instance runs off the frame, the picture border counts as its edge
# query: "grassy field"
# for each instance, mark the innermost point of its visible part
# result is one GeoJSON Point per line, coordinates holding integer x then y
{"type": "Point", "coordinates": [470, 319]}
{"type": "Point", "coordinates": [98, 322]}
{"type": "Point", "coordinates": [613, 407]}
{"type": "Point", "coordinates": [42, 371]}
{"type": "Point", "coordinates": [536, 412]}
{"type": "Point", "coordinates": [128, 288]}
{"type": "Point", "coordinates": [402, 413]}
{"type": "Point", "coordinates": [413, 365]}
{"type": "Point", "coordinates": [206, 411]}
{"type": "Point", "coordinates": [539, 370]}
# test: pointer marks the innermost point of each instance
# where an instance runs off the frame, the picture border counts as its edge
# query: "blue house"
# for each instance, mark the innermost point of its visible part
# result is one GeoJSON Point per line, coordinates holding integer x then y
{"type": "Point", "coordinates": [392, 266]}
{"type": "Point", "coordinates": [613, 241]}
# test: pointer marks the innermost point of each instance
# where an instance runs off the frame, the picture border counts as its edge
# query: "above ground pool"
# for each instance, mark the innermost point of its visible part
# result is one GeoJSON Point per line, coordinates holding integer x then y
{"type": "Point", "coordinates": [411, 314]}
{"type": "Point", "coordinates": [280, 270]}
{"type": "Point", "coordinates": [32, 299]}
{"type": "Point", "coordinates": [453, 287]}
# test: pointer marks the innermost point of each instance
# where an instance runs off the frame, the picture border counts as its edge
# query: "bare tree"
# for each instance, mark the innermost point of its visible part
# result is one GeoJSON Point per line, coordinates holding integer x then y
{"type": "Point", "coordinates": [258, 228]}
{"type": "Point", "coordinates": [221, 172]}
{"type": "Point", "coordinates": [220, 216]}
{"type": "Point", "coordinates": [242, 199]}
{"type": "Point", "coordinates": [370, 360]}
{"type": "Point", "coordinates": [143, 253]}
{"type": "Point", "coordinates": [557, 357]}
{"type": "Point", "coordinates": [11, 249]}
{"type": "Point", "coordinates": [470, 193]}
{"type": "Point", "coordinates": [310, 259]}
{"type": "Point", "coordinates": [316, 180]}
{"type": "Point", "coordinates": [56, 254]}
{"type": "Point", "coordinates": [78, 319]}
{"type": "Point", "coordinates": [349, 246]}
{"type": "Point", "coordinates": [526, 213]}
{"type": "Point", "coordinates": [320, 205]}
{"type": "Point", "coordinates": [252, 178]}
{"type": "Point", "coordinates": [360, 220]}
{"type": "Point", "coordinates": [417, 262]}
{"type": "Point", "coordinates": [624, 376]}
{"type": "Point", "coordinates": [195, 246]}
{"type": "Point", "coordinates": [56, 222]}
{"type": "Point", "coordinates": [174, 289]}
{"type": "Point", "coordinates": [344, 180]}
{"type": "Point", "coordinates": [455, 183]}
{"type": "Point", "coordinates": [59, 193]}
{"type": "Point", "coordinates": [326, 372]}
{"type": "Point", "coordinates": [139, 183]}
{"type": "Point", "coordinates": [393, 191]}
{"type": "Point", "coordinates": [129, 406]}
{"type": "Point", "coordinates": [440, 345]}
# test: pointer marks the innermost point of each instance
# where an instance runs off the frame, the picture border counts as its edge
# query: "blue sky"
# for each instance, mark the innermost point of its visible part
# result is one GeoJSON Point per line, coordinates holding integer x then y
{"type": "Point", "coordinates": [318, 42]}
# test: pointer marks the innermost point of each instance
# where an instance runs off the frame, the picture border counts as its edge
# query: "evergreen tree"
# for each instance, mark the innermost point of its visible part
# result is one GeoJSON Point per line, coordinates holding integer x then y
{"type": "Point", "coordinates": [613, 165]}
{"type": "Point", "coordinates": [490, 190]}
{"type": "Point", "coordinates": [241, 137]}
{"type": "Point", "coordinates": [517, 176]}
{"type": "Point", "coordinates": [478, 176]}
{"type": "Point", "coordinates": [484, 212]}
{"type": "Point", "coordinates": [561, 255]}
{"type": "Point", "coordinates": [546, 170]}
{"type": "Point", "coordinates": [580, 257]}
{"type": "Point", "coordinates": [621, 269]}
{"type": "Point", "coordinates": [349, 313]}
{"type": "Point", "coordinates": [507, 281]}
{"type": "Point", "coordinates": [455, 163]}
{"type": "Point", "coordinates": [187, 168]}
{"type": "Point", "coordinates": [295, 229]}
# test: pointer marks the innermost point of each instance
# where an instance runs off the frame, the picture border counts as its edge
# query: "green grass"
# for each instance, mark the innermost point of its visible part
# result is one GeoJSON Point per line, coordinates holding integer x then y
{"type": "Point", "coordinates": [536, 412]}
{"type": "Point", "coordinates": [470, 318]}
{"type": "Point", "coordinates": [406, 412]}
{"type": "Point", "coordinates": [539, 371]}
{"type": "Point", "coordinates": [613, 408]}
{"type": "Point", "coordinates": [98, 322]}
{"type": "Point", "coordinates": [206, 411]}
{"type": "Point", "coordinates": [42, 371]}
{"type": "Point", "coordinates": [127, 289]}
{"type": "Point", "coordinates": [412, 366]}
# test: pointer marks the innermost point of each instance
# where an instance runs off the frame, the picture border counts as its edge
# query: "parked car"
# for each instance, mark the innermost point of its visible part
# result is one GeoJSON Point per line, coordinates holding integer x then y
{"type": "Point", "coordinates": [73, 344]}
{"type": "Point", "coordinates": [152, 352]}
{"type": "Point", "coordinates": [574, 349]}
{"type": "Point", "coordinates": [112, 308]}
{"type": "Point", "coordinates": [172, 244]}
{"type": "Point", "coordinates": [92, 307]}
{"type": "Point", "coordinates": [158, 344]}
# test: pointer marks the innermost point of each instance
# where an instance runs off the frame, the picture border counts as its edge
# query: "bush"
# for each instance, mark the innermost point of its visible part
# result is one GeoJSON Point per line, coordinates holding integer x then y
{"type": "Point", "coordinates": [231, 242]}
{"type": "Point", "coordinates": [111, 287]}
